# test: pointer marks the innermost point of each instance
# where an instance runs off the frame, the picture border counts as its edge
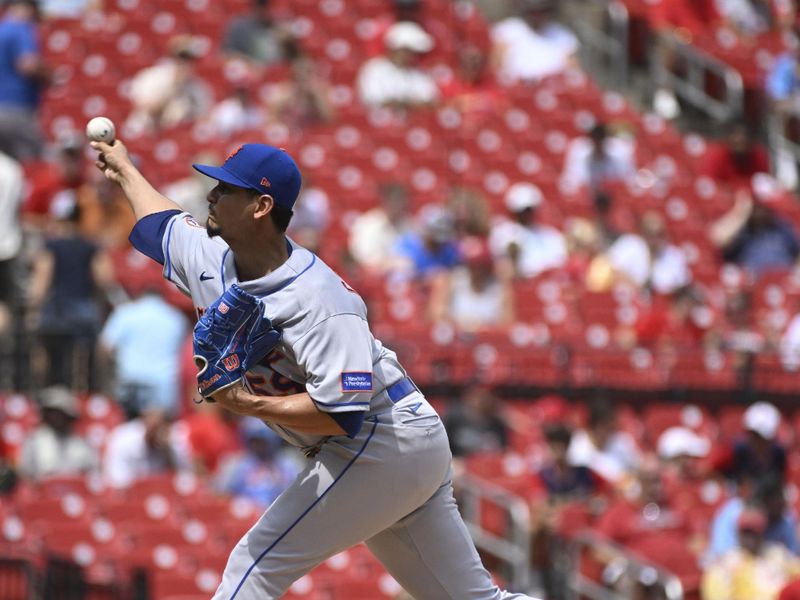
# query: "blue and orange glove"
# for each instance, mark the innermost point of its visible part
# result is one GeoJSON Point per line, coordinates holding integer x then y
{"type": "Point", "coordinates": [231, 336]}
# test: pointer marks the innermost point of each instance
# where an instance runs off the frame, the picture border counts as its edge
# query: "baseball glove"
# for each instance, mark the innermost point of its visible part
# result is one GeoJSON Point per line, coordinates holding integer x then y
{"type": "Point", "coordinates": [232, 335]}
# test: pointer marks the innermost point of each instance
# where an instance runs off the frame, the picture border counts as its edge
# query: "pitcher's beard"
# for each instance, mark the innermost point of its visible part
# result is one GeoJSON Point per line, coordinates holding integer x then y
{"type": "Point", "coordinates": [212, 230]}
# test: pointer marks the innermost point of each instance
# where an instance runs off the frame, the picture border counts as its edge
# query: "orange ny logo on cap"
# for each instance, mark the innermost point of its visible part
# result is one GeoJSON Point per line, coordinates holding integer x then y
{"type": "Point", "coordinates": [235, 152]}
{"type": "Point", "coordinates": [265, 182]}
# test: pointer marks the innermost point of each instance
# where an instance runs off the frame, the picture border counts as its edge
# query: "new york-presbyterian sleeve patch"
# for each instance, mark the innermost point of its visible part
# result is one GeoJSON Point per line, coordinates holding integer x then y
{"type": "Point", "coordinates": [356, 381]}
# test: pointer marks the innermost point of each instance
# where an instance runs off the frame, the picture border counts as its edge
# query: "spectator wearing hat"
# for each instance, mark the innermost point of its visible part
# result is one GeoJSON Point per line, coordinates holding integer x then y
{"type": "Point", "coordinates": [53, 449]}
{"type": "Point", "coordinates": [146, 445]}
{"type": "Point", "coordinates": [768, 496]}
{"type": "Point", "coordinates": [70, 274]}
{"type": "Point", "coordinates": [534, 32]}
{"type": "Point", "coordinates": [23, 74]}
{"type": "Point", "coordinates": [393, 79]}
{"type": "Point", "coordinates": [259, 37]}
{"type": "Point", "coordinates": [170, 92]}
{"type": "Point", "coordinates": [375, 233]}
{"type": "Point", "coordinates": [648, 260]}
{"type": "Point", "coordinates": [755, 568]}
{"type": "Point", "coordinates": [262, 470]}
{"type": "Point", "coordinates": [476, 294]}
{"type": "Point", "coordinates": [598, 158]}
{"type": "Point", "coordinates": [144, 359]}
{"type": "Point", "coordinates": [758, 453]}
{"type": "Point", "coordinates": [530, 247]}
{"type": "Point", "coordinates": [430, 248]}
{"type": "Point", "coordinates": [751, 235]}
{"type": "Point", "coordinates": [680, 449]}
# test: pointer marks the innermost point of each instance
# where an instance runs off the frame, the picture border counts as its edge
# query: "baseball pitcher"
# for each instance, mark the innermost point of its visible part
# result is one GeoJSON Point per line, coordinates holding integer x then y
{"type": "Point", "coordinates": [283, 338]}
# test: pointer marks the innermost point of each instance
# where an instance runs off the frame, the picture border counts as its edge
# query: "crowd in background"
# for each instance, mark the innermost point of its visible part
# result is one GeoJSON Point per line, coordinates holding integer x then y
{"type": "Point", "coordinates": [80, 311]}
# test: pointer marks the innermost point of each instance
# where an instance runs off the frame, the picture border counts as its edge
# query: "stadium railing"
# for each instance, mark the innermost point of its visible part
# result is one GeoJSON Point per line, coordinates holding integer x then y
{"type": "Point", "coordinates": [605, 40]}
{"type": "Point", "coordinates": [513, 549]}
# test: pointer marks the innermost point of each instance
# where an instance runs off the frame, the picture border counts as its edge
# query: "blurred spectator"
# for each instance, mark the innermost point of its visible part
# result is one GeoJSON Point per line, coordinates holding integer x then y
{"type": "Point", "coordinates": [533, 33]}
{"type": "Point", "coordinates": [598, 159]}
{"type": "Point", "coordinates": [682, 319]}
{"type": "Point", "coordinates": [262, 471]}
{"type": "Point", "coordinates": [681, 451]}
{"type": "Point", "coordinates": [414, 11]}
{"type": "Point", "coordinates": [258, 37]}
{"type": "Point", "coordinates": [476, 423]}
{"type": "Point", "coordinates": [754, 569]}
{"type": "Point", "coordinates": [471, 211]}
{"type": "Point", "coordinates": [53, 449]}
{"type": "Point", "coordinates": [648, 260]}
{"type": "Point", "coordinates": [12, 180]}
{"type": "Point", "coordinates": [648, 523]}
{"type": "Point", "coordinates": [473, 89]}
{"type": "Point", "coordinates": [237, 113]}
{"type": "Point", "coordinates": [735, 161]}
{"type": "Point", "coordinates": [141, 340]}
{"type": "Point", "coordinates": [429, 249]}
{"type": "Point", "coordinates": [532, 248]}
{"type": "Point", "coordinates": [144, 446]}
{"type": "Point", "coordinates": [394, 80]}
{"type": "Point", "coordinates": [759, 453]}
{"type": "Point", "coordinates": [751, 235]}
{"type": "Point", "coordinates": [748, 18]}
{"type": "Point", "coordinates": [603, 447]}
{"type": "Point", "coordinates": [56, 180]}
{"type": "Point", "coordinates": [212, 433]}
{"type": "Point", "coordinates": [311, 217]}
{"type": "Point", "coordinates": [67, 274]}
{"type": "Point", "coordinates": [563, 480]}
{"type": "Point", "coordinates": [170, 92]}
{"type": "Point", "coordinates": [22, 77]}
{"type": "Point", "coordinates": [783, 80]}
{"type": "Point", "coordinates": [302, 100]}
{"type": "Point", "coordinates": [374, 233]}
{"type": "Point", "coordinates": [738, 330]}
{"type": "Point", "coordinates": [583, 242]}
{"type": "Point", "coordinates": [475, 295]}
{"type": "Point", "coordinates": [767, 496]}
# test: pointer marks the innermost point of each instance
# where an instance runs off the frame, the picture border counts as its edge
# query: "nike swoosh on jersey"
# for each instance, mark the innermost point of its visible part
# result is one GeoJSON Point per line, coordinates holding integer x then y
{"type": "Point", "coordinates": [204, 277]}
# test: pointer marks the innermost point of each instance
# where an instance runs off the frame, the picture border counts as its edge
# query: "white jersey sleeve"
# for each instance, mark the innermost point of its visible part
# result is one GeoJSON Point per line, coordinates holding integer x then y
{"type": "Point", "coordinates": [190, 254]}
{"type": "Point", "coordinates": [337, 357]}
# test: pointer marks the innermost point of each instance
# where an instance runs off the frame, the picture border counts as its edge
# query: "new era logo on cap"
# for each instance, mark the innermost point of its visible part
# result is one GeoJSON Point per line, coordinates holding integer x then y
{"type": "Point", "coordinates": [259, 167]}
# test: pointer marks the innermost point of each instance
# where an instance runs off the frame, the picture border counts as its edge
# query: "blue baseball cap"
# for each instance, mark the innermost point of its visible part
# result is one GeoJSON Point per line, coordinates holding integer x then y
{"type": "Point", "coordinates": [265, 169]}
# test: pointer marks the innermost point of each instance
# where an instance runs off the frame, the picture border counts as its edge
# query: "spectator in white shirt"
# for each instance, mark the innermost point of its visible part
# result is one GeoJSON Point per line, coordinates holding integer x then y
{"type": "Point", "coordinates": [147, 445]}
{"type": "Point", "coordinates": [374, 233]}
{"type": "Point", "coordinates": [594, 159]}
{"type": "Point", "coordinates": [532, 46]}
{"type": "Point", "coordinates": [393, 80]}
{"type": "Point", "coordinates": [648, 259]}
{"type": "Point", "coordinates": [11, 188]}
{"type": "Point", "coordinates": [790, 345]}
{"type": "Point", "coordinates": [236, 113]}
{"type": "Point", "coordinates": [530, 247]}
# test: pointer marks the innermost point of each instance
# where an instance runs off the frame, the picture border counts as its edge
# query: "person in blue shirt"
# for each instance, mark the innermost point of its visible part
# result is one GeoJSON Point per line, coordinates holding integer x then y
{"type": "Point", "coordinates": [431, 248]}
{"type": "Point", "coordinates": [783, 80]}
{"type": "Point", "coordinates": [22, 77]}
{"type": "Point", "coordinates": [262, 471]}
{"type": "Point", "coordinates": [768, 495]}
{"type": "Point", "coordinates": [145, 337]}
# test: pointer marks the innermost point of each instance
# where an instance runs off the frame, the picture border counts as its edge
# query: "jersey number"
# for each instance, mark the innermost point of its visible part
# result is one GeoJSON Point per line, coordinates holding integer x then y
{"type": "Point", "coordinates": [277, 382]}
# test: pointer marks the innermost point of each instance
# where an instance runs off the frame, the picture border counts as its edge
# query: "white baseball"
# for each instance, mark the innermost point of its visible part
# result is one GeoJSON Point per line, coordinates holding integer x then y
{"type": "Point", "coordinates": [101, 129]}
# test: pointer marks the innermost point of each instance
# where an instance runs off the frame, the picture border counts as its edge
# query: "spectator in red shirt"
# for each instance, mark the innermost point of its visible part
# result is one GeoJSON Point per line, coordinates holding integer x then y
{"type": "Point", "coordinates": [212, 435]}
{"type": "Point", "coordinates": [473, 90]}
{"type": "Point", "coordinates": [651, 526]}
{"type": "Point", "coordinates": [687, 18]}
{"type": "Point", "coordinates": [48, 181]}
{"type": "Point", "coordinates": [791, 591]}
{"type": "Point", "coordinates": [736, 160]}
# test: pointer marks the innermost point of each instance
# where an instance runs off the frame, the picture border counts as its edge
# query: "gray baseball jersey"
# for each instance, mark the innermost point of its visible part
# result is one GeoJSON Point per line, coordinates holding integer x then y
{"type": "Point", "coordinates": [389, 485]}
